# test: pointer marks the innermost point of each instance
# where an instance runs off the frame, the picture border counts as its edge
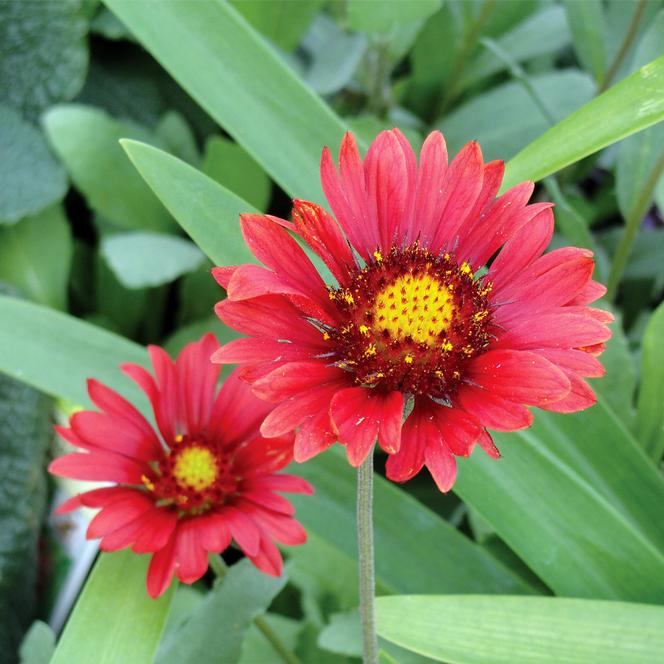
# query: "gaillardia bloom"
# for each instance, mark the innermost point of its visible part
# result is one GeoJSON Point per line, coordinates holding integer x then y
{"type": "Point", "coordinates": [414, 313]}
{"type": "Point", "coordinates": [206, 477]}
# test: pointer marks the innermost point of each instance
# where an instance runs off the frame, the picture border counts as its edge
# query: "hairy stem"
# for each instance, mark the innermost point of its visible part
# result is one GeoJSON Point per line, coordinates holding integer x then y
{"type": "Point", "coordinates": [219, 567]}
{"type": "Point", "coordinates": [365, 548]}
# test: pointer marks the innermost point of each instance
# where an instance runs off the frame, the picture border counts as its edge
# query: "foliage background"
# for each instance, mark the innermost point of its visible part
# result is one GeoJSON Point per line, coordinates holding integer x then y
{"type": "Point", "coordinates": [247, 93]}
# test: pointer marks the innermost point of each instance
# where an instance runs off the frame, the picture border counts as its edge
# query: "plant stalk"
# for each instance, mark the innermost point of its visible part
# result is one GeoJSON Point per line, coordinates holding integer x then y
{"type": "Point", "coordinates": [365, 547]}
{"type": "Point", "coordinates": [219, 567]}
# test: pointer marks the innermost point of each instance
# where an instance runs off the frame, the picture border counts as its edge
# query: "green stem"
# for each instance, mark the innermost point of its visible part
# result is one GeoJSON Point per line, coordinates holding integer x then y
{"type": "Point", "coordinates": [365, 547]}
{"type": "Point", "coordinates": [467, 44]}
{"type": "Point", "coordinates": [632, 224]}
{"type": "Point", "coordinates": [625, 46]}
{"type": "Point", "coordinates": [219, 567]}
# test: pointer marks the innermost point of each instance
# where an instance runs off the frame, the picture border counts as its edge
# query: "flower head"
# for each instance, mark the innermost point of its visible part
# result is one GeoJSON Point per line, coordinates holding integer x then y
{"type": "Point", "coordinates": [443, 300]}
{"type": "Point", "coordinates": [204, 478]}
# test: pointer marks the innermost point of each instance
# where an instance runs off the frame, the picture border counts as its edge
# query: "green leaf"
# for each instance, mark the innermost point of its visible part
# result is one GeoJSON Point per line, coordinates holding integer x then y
{"type": "Point", "coordinates": [38, 644]}
{"type": "Point", "coordinates": [343, 635]}
{"type": "Point", "coordinates": [650, 404]}
{"type": "Point", "coordinates": [31, 178]}
{"type": "Point", "coordinates": [214, 632]}
{"type": "Point", "coordinates": [56, 353]}
{"type": "Point", "coordinates": [630, 106]}
{"type": "Point", "coordinates": [281, 21]}
{"type": "Point", "coordinates": [200, 205]}
{"type": "Point", "coordinates": [568, 507]}
{"type": "Point", "coordinates": [24, 436]}
{"type": "Point", "coordinates": [243, 84]}
{"type": "Point", "coordinates": [256, 648]}
{"type": "Point", "coordinates": [86, 139]}
{"type": "Point", "coordinates": [586, 21]}
{"type": "Point", "coordinates": [141, 260]}
{"type": "Point", "coordinates": [537, 630]}
{"type": "Point", "coordinates": [228, 164]}
{"type": "Point", "coordinates": [386, 15]}
{"type": "Point", "coordinates": [115, 620]}
{"type": "Point", "coordinates": [43, 53]}
{"type": "Point", "coordinates": [35, 256]}
{"type": "Point", "coordinates": [505, 119]}
{"type": "Point", "coordinates": [174, 132]}
{"type": "Point", "coordinates": [335, 55]}
{"type": "Point", "coordinates": [638, 155]}
{"type": "Point", "coordinates": [540, 34]}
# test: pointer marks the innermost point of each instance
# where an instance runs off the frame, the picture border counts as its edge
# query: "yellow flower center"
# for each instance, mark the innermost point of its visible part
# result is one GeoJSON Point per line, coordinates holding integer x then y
{"type": "Point", "coordinates": [416, 307]}
{"type": "Point", "coordinates": [195, 468]}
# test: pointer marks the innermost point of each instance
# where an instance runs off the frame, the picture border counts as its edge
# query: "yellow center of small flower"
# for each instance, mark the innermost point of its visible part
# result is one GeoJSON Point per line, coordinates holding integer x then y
{"type": "Point", "coordinates": [195, 468]}
{"type": "Point", "coordinates": [414, 307]}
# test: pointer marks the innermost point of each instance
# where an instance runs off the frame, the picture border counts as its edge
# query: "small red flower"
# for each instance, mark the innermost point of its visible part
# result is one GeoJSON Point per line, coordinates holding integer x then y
{"type": "Point", "coordinates": [210, 477]}
{"type": "Point", "coordinates": [414, 317]}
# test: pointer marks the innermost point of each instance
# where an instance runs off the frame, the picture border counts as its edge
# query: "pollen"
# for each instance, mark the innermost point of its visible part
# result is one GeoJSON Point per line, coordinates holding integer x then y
{"type": "Point", "coordinates": [415, 307]}
{"type": "Point", "coordinates": [410, 321]}
{"type": "Point", "coordinates": [195, 468]}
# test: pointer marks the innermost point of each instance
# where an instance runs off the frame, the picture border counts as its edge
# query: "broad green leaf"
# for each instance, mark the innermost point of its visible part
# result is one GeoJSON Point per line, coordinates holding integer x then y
{"type": "Point", "coordinates": [86, 139]}
{"type": "Point", "coordinates": [335, 55]}
{"type": "Point", "coordinates": [650, 404]}
{"type": "Point", "coordinates": [527, 630]}
{"type": "Point", "coordinates": [31, 178]}
{"type": "Point", "coordinates": [387, 15]}
{"type": "Point", "coordinates": [243, 84]}
{"type": "Point", "coordinates": [174, 132]}
{"type": "Point", "coordinates": [202, 207]}
{"type": "Point", "coordinates": [586, 21]}
{"type": "Point", "coordinates": [43, 53]}
{"type": "Point", "coordinates": [38, 644]}
{"type": "Point", "coordinates": [343, 634]}
{"type": "Point", "coordinates": [563, 498]}
{"type": "Point", "coordinates": [24, 437]}
{"type": "Point", "coordinates": [256, 648]}
{"type": "Point", "coordinates": [216, 628]}
{"type": "Point", "coordinates": [281, 21]}
{"type": "Point", "coordinates": [630, 106]}
{"type": "Point", "coordinates": [505, 119]}
{"type": "Point", "coordinates": [55, 353]}
{"type": "Point", "coordinates": [35, 256]}
{"type": "Point", "coordinates": [114, 620]}
{"type": "Point", "coordinates": [141, 260]}
{"type": "Point", "coordinates": [229, 165]}
{"type": "Point", "coordinates": [639, 154]}
{"type": "Point", "coordinates": [540, 34]}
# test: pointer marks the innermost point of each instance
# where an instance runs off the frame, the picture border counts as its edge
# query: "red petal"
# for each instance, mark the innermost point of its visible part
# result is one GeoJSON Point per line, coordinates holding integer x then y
{"type": "Point", "coordinates": [418, 431]}
{"type": "Point", "coordinates": [281, 482]}
{"type": "Point", "coordinates": [192, 561]}
{"type": "Point", "coordinates": [243, 529]}
{"type": "Point", "coordinates": [441, 464]}
{"type": "Point", "coordinates": [580, 397]}
{"type": "Point", "coordinates": [158, 528]}
{"type": "Point", "coordinates": [118, 513]}
{"type": "Point", "coordinates": [314, 436]}
{"type": "Point", "coordinates": [492, 410]}
{"type": "Point", "coordinates": [162, 568]}
{"type": "Point", "coordinates": [98, 466]}
{"type": "Point", "coordinates": [268, 559]}
{"type": "Point", "coordinates": [213, 533]}
{"type": "Point", "coordinates": [519, 376]}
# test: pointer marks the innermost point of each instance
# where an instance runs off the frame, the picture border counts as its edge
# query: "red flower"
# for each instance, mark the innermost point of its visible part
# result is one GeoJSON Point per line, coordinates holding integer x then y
{"type": "Point", "coordinates": [210, 478]}
{"type": "Point", "coordinates": [413, 314]}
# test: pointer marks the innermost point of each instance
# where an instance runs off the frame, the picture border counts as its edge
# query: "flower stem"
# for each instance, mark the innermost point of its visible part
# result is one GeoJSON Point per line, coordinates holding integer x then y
{"type": "Point", "coordinates": [365, 548]}
{"type": "Point", "coordinates": [219, 567]}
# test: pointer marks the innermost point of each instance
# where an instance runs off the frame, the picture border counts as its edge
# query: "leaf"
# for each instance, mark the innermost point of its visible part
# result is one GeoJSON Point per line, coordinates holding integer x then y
{"type": "Point", "coordinates": [650, 404]}
{"type": "Point", "coordinates": [243, 84]}
{"type": "Point", "coordinates": [335, 55]}
{"type": "Point", "coordinates": [281, 21]}
{"type": "Point", "coordinates": [505, 119]}
{"type": "Point", "coordinates": [114, 620]}
{"type": "Point", "coordinates": [638, 155]}
{"type": "Point", "coordinates": [343, 635]}
{"type": "Point", "coordinates": [228, 164]}
{"type": "Point", "coordinates": [386, 15]}
{"type": "Point", "coordinates": [256, 648]}
{"type": "Point", "coordinates": [38, 644]}
{"type": "Point", "coordinates": [198, 203]}
{"type": "Point", "coordinates": [35, 256]}
{"type": "Point", "coordinates": [31, 178]}
{"type": "Point", "coordinates": [43, 53]}
{"type": "Point", "coordinates": [174, 132]}
{"type": "Point", "coordinates": [141, 260]}
{"type": "Point", "coordinates": [539, 34]}
{"type": "Point", "coordinates": [537, 630]}
{"type": "Point", "coordinates": [630, 106]}
{"type": "Point", "coordinates": [24, 438]}
{"type": "Point", "coordinates": [586, 21]}
{"type": "Point", "coordinates": [86, 139]}
{"type": "Point", "coordinates": [214, 632]}
{"type": "Point", "coordinates": [55, 353]}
